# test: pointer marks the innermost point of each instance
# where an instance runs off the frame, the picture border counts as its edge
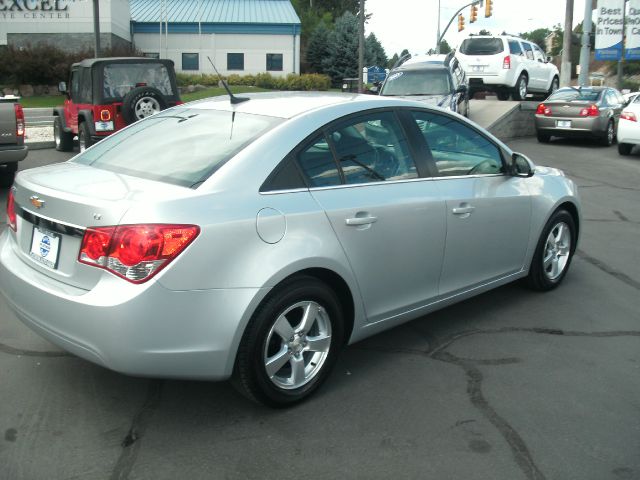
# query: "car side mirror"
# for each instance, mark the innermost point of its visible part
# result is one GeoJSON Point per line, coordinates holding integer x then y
{"type": "Point", "coordinates": [462, 89]}
{"type": "Point", "coordinates": [62, 87]}
{"type": "Point", "coordinates": [549, 59]}
{"type": "Point", "coordinates": [521, 166]}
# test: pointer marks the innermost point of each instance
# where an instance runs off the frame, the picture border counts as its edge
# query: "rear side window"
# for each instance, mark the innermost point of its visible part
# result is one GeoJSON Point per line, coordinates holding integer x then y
{"type": "Point", "coordinates": [179, 146]}
{"type": "Point", "coordinates": [514, 47]}
{"type": "Point", "coordinates": [318, 164]}
{"type": "Point", "coordinates": [481, 46]}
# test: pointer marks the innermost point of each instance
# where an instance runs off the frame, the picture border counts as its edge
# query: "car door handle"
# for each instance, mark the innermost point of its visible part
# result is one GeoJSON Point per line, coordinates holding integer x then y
{"type": "Point", "coordinates": [358, 221]}
{"type": "Point", "coordinates": [463, 210]}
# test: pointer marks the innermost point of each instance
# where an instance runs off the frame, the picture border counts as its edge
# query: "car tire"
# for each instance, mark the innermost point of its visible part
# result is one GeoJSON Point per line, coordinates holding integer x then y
{"type": "Point", "coordinates": [142, 102]}
{"type": "Point", "coordinates": [555, 84]}
{"type": "Point", "coordinates": [625, 148]}
{"type": "Point", "coordinates": [62, 139]}
{"type": "Point", "coordinates": [609, 135]}
{"type": "Point", "coordinates": [8, 174]}
{"type": "Point", "coordinates": [275, 364]}
{"type": "Point", "coordinates": [520, 90]}
{"type": "Point", "coordinates": [553, 253]}
{"type": "Point", "coordinates": [84, 137]}
{"type": "Point", "coordinates": [543, 137]}
{"type": "Point", "coordinates": [502, 95]}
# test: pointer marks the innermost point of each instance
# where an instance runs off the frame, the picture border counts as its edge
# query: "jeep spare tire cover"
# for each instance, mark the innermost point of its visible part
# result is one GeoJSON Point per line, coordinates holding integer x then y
{"type": "Point", "coordinates": [142, 102]}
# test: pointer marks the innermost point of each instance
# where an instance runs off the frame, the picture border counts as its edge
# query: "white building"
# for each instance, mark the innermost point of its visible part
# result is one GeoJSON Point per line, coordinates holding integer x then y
{"type": "Point", "coordinates": [240, 36]}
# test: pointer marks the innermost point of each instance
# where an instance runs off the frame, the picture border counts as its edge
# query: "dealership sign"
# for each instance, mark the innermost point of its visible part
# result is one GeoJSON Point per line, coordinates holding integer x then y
{"type": "Point", "coordinates": [632, 22]}
{"type": "Point", "coordinates": [28, 9]}
{"type": "Point", "coordinates": [609, 29]}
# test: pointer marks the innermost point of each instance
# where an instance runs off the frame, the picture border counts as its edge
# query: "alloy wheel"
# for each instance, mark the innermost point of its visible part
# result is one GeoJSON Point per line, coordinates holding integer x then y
{"type": "Point", "coordinates": [556, 251]}
{"type": "Point", "coordinates": [146, 106]}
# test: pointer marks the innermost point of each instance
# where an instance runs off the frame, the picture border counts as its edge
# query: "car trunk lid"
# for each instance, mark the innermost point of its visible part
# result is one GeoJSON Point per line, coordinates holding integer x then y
{"type": "Point", "coordinates": [567, 109]}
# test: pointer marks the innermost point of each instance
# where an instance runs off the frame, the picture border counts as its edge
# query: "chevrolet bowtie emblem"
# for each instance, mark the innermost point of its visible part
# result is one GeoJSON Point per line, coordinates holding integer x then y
{"type": "Point", "coordinates": [36, 202]}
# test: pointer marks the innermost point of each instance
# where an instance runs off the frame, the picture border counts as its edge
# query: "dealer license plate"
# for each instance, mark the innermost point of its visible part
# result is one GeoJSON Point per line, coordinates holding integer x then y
{"type": "Point", "coordinates": [563, 123]}
{"type": "Point", "coordinates": [477, 68]}
{"type": "Point", "coordinates": [104, 126]}
{"type": "Point", "coordinates": [45, 246]}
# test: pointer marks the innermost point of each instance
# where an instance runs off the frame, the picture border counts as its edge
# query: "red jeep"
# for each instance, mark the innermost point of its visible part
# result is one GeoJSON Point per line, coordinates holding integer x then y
{"type": "Point", "coordinates": [107, 94]}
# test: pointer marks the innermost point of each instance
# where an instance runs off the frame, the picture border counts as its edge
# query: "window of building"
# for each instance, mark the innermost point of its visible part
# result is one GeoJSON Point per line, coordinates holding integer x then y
{"type": "Point", "coordinates": [235, 61]}
{"type": "Point", "coordinates": [274, 62]}
{"type": "Point", "coordinates": [190, 61]}
{"type": "Point", "coordinates": [151, 55]}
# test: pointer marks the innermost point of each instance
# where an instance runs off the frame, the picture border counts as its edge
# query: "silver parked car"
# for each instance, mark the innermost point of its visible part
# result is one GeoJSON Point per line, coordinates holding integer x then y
{"type": "Point", "coordinates": [253, 240]}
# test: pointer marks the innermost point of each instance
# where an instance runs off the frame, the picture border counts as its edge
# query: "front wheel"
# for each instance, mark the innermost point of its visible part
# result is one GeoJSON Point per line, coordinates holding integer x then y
{"type": "Point", "coordinates": [290, 344]}
{"type": "Point", "coordinates": [84, 137]}
{"type": "Point", "coordinates": [554, 252]}
{"type": "Point", "coordinates": [62, 139]}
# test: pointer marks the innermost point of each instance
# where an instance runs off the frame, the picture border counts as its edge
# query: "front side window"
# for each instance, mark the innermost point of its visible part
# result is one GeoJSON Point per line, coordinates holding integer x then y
{"type": "Point", "coordinates": [538, 53]}
{"type": "Point", "coordinates": [235, 61]}
{"type": "Point", "coordinates": [274, 62]}
{"type": "Point", "coordinates": [190, 61]}
{"type": "Point", "coordinates": [372, 148]}
{"type": "Point", "coordinates": [84, 90]}
{"type": "Point", "coordinates": [75, 85]}
{"type": "Point", "coordinates": [180, 146]}
{"type": "Point", "coordinates": [436, 81]}
{"type": "Point", "coordinates": [456, 148]}
{"type": "Point", "coordinates": [528, 50]}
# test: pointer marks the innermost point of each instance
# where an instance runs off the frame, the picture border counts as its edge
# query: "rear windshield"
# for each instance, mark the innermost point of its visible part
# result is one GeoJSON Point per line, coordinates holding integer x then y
{"type": "Point", "coordinates": [575, 95]}
{"type": "Point", "coordinates": [481, 46]}
{"type": "Point", "coordinates": [181, 146]}
{"type": "Point", "coordinates": [121, 78]}
{"type": "Point", "coordinates": [418, 82]}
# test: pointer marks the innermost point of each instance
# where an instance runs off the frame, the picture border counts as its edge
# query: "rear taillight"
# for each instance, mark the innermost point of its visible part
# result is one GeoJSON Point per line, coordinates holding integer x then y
{"type": "Point", "coordinates": [628, 116]}
{"type": "Point", "coordinates": [543, 110]}
{"type": "Point", "coordinates": [19, 120]}
{"type": "Point", "coordinates": [105, 115]}
{"type": "Point", "coordinates": [506, 63]}
{"type": "Point", "coordinates": [590, 111]}
{"type": "Point", "coordinates": [135, 252]}
{"type": "Point", "coordinates": [11, 211]}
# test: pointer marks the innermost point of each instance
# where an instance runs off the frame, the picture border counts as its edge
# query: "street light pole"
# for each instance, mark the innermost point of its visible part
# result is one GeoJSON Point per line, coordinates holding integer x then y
{"type": "Point", "coordinates": [96, 28]}
{"type": "Point", "coordinates": [361, 47]}
{"type": "Point", "coordinates": [565, 71]}
{"type": "Point", "coordinates": [438, 37]}
{"type": "Point", "coordinates": [585, 51]}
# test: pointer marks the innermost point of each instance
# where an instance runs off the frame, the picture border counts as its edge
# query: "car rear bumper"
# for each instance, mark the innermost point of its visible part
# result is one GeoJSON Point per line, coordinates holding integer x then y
{"type": "Point", "coordinates": [580, 127]}
{"type": "Point", "coordinates": [12, 153]}
{"type": "Point", "coordinates": [628, 132]}
{"type": "Point", "coordinates": [492, 82]}
{"type": "Point", "coordinates": [144, 330]}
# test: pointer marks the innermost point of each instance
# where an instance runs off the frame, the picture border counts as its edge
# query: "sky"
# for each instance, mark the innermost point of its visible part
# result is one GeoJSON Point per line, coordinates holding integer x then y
{"type": "Point", "coordinates": [412, 24]}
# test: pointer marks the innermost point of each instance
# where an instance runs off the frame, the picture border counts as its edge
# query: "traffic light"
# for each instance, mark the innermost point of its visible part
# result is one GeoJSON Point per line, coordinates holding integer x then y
{"type": "Point", "coordinates": [473, 16]}
{"type": "Point", "coordinates": [488, 8]}
{"type": "Point", "coordinates": [460, 22]}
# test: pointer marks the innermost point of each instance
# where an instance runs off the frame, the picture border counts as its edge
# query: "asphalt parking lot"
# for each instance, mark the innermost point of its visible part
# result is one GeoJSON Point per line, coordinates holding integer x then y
{"type": "Point", "coordinates": [509, 385]}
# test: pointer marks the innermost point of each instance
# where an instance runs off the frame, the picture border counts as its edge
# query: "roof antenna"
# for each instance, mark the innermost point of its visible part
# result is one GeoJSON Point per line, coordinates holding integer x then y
{"type": "Point", "coordinates": [234, 99]}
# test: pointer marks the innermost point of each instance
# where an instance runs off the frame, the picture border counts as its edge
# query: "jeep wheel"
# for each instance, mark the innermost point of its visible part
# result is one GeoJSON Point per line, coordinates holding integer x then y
{"type": "Point", "coordinates": [63, 140]}
{"type": "Point", "coordinates": [142, 102]}
{"type": "Point", "coordinates": [7, 174]}
{"type": "Point", "coordinates": [84, 137]}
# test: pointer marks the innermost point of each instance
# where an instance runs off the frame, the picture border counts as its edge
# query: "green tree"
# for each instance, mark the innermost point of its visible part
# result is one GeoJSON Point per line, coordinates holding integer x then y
{"type": "Point", "coordinates": [538, 37]}
{"type": "Point", "coordinates": [342, 55]}
{"type": "Point", "coordinates": [444, 47]}
{"type": "Point", "coordinates": [318, 48]}
{"type": "Point", "coordinates": [392, 61]}
{"type": "Point", "coordinates": [374, 53]}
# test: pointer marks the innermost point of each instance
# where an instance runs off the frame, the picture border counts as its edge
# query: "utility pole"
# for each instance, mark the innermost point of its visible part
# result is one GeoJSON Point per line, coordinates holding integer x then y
{"type": "Point", "coordinates": [96, 28]}
{"type": "Point", "coordinates": [585, 51]}
{"type": "Point", "coordinates": [361, 47]}
{"type": "Point", "coordinates": [624, 35]}
{"type": "Point", "coordinates": [565, 71]}
{"type": "Point", "coordinates": [438, 37]}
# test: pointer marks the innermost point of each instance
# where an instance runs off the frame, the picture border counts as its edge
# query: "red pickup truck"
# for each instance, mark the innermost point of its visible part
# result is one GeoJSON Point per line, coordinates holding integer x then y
{"type": "Point", "coordinates": [12, 147]}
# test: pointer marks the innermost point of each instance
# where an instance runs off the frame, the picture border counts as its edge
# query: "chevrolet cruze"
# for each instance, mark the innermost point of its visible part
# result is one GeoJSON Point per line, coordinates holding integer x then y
{"type": "Point", "coordinates": [253, 240]}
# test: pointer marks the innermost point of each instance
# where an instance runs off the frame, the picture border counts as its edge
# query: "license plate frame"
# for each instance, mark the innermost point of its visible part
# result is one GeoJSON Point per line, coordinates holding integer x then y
{"type": "Point", "coordinates": [45, 247]}
{"type": "Point", "coordinates": [563, 123]}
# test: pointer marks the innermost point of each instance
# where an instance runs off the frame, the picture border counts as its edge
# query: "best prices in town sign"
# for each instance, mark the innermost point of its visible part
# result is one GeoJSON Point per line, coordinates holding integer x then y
{"type": "Point", "coordinates": [632, 22]}
{"type": "Point", "coordinates": [609, 29]}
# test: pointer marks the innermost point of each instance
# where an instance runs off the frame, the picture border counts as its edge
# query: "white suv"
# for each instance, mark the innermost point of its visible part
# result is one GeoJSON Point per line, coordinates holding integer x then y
{"type": "Point", "coordinates": [507, 65]}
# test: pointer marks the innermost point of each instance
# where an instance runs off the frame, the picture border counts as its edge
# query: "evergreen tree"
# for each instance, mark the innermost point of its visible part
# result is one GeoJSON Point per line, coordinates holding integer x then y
{"type": "Point", "coordinates": [444, 47]}
{"type": "Point", "coordinates": [392, 61]}
{"type": "Point", "coordinates": [374, 54]}
{"type": "Point", "coordinates": [318, 48]}
{"type": "Point", "coordinates": [342, 55]}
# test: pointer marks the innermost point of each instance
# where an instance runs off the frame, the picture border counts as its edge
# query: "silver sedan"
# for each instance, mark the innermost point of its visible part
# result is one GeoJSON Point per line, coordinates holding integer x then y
{"type": "Point", "coordinates": [253, 240]}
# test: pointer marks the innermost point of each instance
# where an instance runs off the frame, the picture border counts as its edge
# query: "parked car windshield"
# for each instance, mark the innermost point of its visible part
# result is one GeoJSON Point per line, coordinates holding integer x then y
{"type": "Point", "coordinates": [121, 78]}
{"type": "Point", "coordinates": [481, 46]}
{"type": "Point", "coordinates": [575, 95]}
{"type": "Point", "coordinates": [418, 82]}
{"type": "Point", "coordinates": [180, 146]}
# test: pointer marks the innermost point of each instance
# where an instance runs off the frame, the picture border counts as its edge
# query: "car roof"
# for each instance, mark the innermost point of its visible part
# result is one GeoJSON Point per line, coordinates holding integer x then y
{"type": "Point", "coordinates": [90, 62]}
{"type": "Point", "coordinates": [291, 104]}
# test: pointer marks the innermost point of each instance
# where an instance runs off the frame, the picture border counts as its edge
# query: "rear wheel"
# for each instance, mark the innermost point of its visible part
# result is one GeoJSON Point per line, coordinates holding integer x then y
{"type": "Point", "coordinates": [624, 148]}
{"type": "Point", "coordinates": [8, 174]}
{"type": "Point", "coordinates": [520, 91]}
{"type": "Point", "coordinates": [554, 252]}
{"type": "Point", "coordinates": [290, 344]}
{"type": "Point", "coordinates": [63, 140]}
{"type": "Point", "coordinates": [84, 137]}
{"type": "Point", "coordinates": [543, 137]}
{"type": "Point", "coordinates": [609, 135]}
{"type": "Point", "coordinates": [555, 84]}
